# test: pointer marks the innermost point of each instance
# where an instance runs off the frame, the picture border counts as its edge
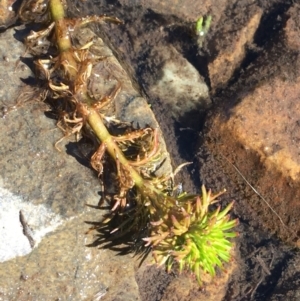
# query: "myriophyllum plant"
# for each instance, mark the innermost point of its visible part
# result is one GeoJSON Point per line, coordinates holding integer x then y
{"type": "Point", "coordinates": [192, 235]}
{"type": "Point", "coordinates": [180, 229]}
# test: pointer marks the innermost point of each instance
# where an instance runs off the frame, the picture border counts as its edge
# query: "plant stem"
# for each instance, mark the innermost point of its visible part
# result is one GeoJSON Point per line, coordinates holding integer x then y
{"type": "Point", "coordinates": [93, 117]}
{"type": "Point", "coordinates": [96, 123]}
{"type": "Point", "coordinates": [57, 10]}
{"type": "Point", "coordinates": [64, 43]}
{"type": "Point", "coordinates": [181, 227]}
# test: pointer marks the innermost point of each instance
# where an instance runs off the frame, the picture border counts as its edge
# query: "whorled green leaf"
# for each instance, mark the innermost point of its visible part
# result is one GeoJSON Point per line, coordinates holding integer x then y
{"type": "Point", "coordinates": [205, 244]}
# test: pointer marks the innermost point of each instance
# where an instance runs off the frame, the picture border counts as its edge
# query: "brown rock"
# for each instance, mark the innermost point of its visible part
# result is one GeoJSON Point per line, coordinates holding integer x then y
{"type": "Point", "coordinates": [186, 288]}
{"type": "Point", "coordinates": [34, 174]}
{"type": "Point", "coordinates": [292, 27]}
{"type": "Point", "coordinates": [177, 82]}
{"type": "Point", "coordinates": [188, 10]}
{"type": "Point", "coordinates": [230, 57]}
{"type": "Point", "coordinates": [7, 14]}
{"type": "Point", "coordinates": [156, 284]}
{"type": "Point", "coordinates": [260, 135]}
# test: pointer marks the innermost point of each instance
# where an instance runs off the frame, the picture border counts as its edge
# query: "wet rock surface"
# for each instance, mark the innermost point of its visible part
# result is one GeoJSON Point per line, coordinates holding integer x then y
{"type": "Point", "coordinates": [7, 13]}
{"type": "Point", "coordinates": [250, 138]}
{"type": "Point", "coordinates": [44, 249]}
{"type": "Point", "coordinates": [230, 55]}
{"type": "Point", "coordinates": [44, 192]}
{"type": "Point", "coordinates": [257, 126]}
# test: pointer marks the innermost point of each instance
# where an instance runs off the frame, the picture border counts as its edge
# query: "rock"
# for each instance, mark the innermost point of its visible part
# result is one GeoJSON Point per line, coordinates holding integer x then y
{"type": "Point", "coordinates": [13, 69]}
{"type": "Point", "coordinates": [186, 288]}
{"type": "Point", "coordinates": [177, 83]}
{"type": "Point", "coordinates": [155, 284]}
{"type": "Point", "coordinates": [188, 10]}
{"type": "Point", "coordinates": [145, 30]}
{"type": "Point", "coordinates": [7, 13]}
{"type": "Point", "coordinates": [289, 283]}
{"type": "Point", "coordinates": [52, 188]}
{"type": "Point", "coordinates": [44, 249]}
{"type": "Point", "coordinates": [232, 48]}
{"type": "Point", "coordinates": [257, 130]}
{"type": "Point", "coordinates": [292, 28]}
{"type": "Point", "coordinates": [62, 267]}
{"type": "Point", "coordinates": [265, 268]}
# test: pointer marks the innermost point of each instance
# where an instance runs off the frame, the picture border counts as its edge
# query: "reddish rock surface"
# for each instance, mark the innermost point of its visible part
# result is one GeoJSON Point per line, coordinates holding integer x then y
{"type": "Point", "coordinates": [258, 130]}
{"type": "Point", "coordinates": [7, 13]}
{"type": "Point", "coordinates": [230, 55]}
{"type": "Point", "coordinates": [292, 28]}
{"type": "Point", "coordinates": [261, 138]}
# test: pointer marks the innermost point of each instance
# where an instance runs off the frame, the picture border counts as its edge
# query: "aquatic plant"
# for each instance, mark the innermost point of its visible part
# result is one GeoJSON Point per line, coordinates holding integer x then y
{"type": "Point", "coordinates": [201, 28]}
{"type": "Point", "coordinates": [202, 25]}
{"type": "Point", "coordinates": [176, 228]}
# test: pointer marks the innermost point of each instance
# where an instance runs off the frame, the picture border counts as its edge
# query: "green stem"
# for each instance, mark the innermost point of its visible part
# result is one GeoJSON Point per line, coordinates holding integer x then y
{"type": "Point", "coordinates": [56, 10]}
{"type": "Point", "coordinates": [63, 40]}
{"type": "Point", "coordinates": [93, 118]}
{"type": "Point", "coordinates": [96, 123]}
